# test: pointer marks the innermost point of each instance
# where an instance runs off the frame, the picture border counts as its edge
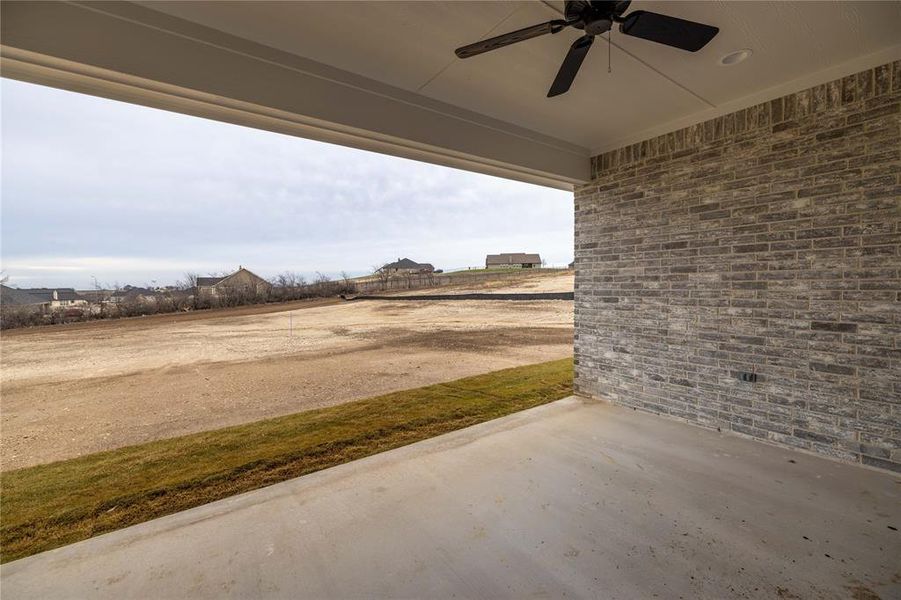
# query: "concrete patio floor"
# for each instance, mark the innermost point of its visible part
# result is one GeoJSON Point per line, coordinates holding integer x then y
{"type": "Point", "coordinates": [573, 499]}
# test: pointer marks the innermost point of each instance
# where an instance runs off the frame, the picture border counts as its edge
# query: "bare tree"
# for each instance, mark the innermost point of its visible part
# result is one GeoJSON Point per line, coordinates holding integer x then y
{"type": "Point", "coordinates": [100, 296]}
{"type": "Point", "coordinates": [188, 281]}
{"type": "Point", "coordinates": [287, 280]}
{"type": "Point", "coordinates": [288, 286]}
{"type": "Point", "coordinates": [188, 286]}
{"type": "Point", "coordinates": [348, 285]}
{"type": "Point", "coordinates": [382, 274]}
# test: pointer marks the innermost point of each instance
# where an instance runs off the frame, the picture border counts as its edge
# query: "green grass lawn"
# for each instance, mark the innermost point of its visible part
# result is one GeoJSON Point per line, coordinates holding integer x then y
{"type": "Point", "coordinates": [52, 505]}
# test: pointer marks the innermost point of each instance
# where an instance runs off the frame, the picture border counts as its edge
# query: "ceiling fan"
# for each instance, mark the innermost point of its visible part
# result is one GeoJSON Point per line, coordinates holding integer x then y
{"type": "Point", "coordinates": [594, 18]}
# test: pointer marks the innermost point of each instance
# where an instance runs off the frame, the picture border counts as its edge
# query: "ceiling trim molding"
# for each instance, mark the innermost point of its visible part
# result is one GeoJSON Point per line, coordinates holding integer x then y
{"type": "Point", "coordinates": [856, 65]}
{"type": "Point", "coordinates": [30, 68]}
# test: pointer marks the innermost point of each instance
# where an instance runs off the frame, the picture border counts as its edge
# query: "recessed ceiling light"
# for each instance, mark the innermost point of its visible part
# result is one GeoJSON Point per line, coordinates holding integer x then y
{"type": "Point", "coordinates": [733, 58]}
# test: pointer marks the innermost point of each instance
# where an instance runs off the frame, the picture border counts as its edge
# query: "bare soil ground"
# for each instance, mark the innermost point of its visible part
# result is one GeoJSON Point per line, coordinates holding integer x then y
{"type": "Point", "coordinates": [69, 391]}
{"type": "Point", "coordinates": [527, 282]}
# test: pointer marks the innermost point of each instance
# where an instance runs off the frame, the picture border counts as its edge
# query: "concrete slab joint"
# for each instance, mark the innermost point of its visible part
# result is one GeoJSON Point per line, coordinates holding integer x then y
{"type": "Point", "coordinates": [765, 241]}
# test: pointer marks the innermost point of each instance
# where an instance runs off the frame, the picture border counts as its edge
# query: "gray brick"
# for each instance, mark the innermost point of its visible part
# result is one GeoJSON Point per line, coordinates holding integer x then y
{"type": "Point", "coordinates": [828, 326]}
{"type": "Point", "coordinates": [769, 241]}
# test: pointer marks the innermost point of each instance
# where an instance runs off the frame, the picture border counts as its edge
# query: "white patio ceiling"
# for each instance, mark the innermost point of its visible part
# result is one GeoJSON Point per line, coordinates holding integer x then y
{"type": "Point", "coordinates": [383, 75]}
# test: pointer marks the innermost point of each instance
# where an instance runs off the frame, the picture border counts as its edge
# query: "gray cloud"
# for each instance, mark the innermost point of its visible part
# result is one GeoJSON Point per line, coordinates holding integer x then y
{"type": "Point", "coordinates": [92, 187]}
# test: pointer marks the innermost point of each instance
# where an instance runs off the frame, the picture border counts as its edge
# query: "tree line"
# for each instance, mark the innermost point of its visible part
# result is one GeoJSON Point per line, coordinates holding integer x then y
{"type": "Point", "coordinates": [184, 296]}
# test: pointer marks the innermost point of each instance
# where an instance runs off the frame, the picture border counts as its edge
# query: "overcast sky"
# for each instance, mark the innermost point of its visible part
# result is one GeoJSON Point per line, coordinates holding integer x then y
{"type": "Point", "coordinates": [132, 195]}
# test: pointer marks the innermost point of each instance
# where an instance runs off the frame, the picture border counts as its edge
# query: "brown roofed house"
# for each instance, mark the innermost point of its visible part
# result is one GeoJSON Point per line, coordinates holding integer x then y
{"type": "Point", "coordinates": [15, 297]}
{"type": "Point", "coordinates": [405, 265]}
{"type": "Point", "coordinates": [241, 282]}
{"type": "Point", "coordinates": [44, 300]}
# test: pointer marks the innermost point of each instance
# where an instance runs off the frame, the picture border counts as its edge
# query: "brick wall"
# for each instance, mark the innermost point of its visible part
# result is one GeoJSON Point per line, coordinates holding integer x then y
{"type": "Point", "coordinates": [766, 241]}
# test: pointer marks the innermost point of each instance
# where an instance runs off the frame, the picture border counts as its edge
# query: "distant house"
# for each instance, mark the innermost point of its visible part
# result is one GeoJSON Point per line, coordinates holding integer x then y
{"type": "Point", "coordinates": [511, 260]}
{"type": "Point", "coordinates": [16, 297]}
{"type": "Point", "coordinates": [407, 266]}
{"type": "Point", "coordinates": [132, 293]}
{"type": "Point", "coordinates": [57, 298]}
{"type": "Point", "coordinates": [240, 282]}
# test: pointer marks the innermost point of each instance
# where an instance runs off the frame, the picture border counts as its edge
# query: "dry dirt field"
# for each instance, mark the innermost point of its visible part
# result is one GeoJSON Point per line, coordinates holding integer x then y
{"type": "Point", "coordinates": [528, 282]}
{"type": "Point", "coordinates": [73, 390]}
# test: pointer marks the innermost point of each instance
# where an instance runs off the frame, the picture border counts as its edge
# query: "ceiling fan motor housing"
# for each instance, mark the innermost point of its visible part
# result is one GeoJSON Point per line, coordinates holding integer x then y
{"type": "Point", "coordinates": [595, 17]}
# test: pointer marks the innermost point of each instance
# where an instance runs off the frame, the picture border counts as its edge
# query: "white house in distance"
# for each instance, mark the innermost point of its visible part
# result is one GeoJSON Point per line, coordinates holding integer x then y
{"type": "Point", "coordinates": [58, 298]}
{"type": "Point", "coordinates": [241, 281]}
{"type": "Point", "coordinates": [512, 260]}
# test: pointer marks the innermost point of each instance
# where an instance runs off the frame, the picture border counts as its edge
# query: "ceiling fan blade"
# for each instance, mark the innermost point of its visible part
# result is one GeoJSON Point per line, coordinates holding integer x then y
{"type": "Point", "coordinates": [506, 39]}
{"type": "Point", "coordinates": [671, 31]}
{"type": "Point", "coordinates": [570, 66]}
